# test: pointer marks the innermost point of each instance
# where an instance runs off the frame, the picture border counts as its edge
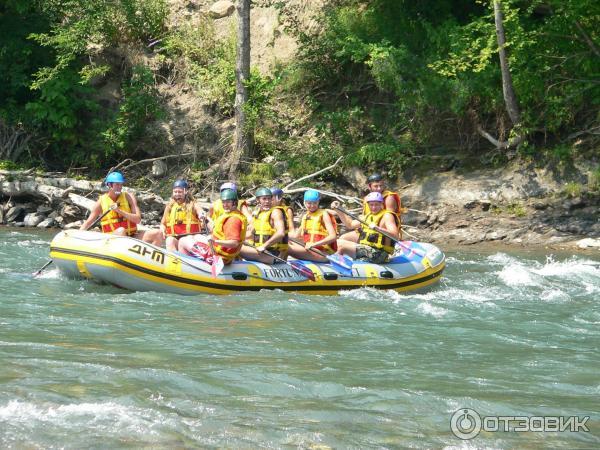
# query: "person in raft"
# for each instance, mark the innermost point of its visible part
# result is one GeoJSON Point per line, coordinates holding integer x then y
{"type": "Point", "coordinates": [318, 230]}
{"type": "Point", "coordinates": [216, 208]}
{"type": "Point", "coordinates": [228, 233]}
{"type": "Point", "coordinates": [372, 246]}
{"type": "Point", "coordinates": [124, 215]}
{"type": "Point", "coordinates": [391, 202]}
{"type": "Point", "coordinates": [182, 216]}
{"type": "Point", "coordinates": [289, 212]}
{"type": "Point", "coordinates": [268, 229]}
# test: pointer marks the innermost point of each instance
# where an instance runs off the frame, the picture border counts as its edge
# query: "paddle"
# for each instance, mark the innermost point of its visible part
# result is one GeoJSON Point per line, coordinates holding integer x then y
{"type": "Point", "coordinates": [304, 271]}
{"type": "Point", "coordinates": [341, 263]}
{"type": "Point", "coordinates": [217, 263]}
{"type": "Point", "coordinates": [380, 231]}
{"type": "Point", "coordinates": [94, 223]}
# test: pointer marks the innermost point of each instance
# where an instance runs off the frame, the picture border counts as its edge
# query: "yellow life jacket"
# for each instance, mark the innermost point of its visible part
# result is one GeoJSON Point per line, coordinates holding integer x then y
{"type": "Point", "coordinates": [217, 208]}
{"type": "Point", "coordinates": [374, 239]}
{"type": "Point", "coordinates": [312, 229]}
{"type": "Point", "coordinates": [263, 230]}
{"type": "Point", "coordinates": [113, 220]}
{"type": "Point", "coordinates": [182, 219]}
{"type": "Point", "coordinates": [397, 212]}
{"type": "Point", "coordinates": [228, 254]}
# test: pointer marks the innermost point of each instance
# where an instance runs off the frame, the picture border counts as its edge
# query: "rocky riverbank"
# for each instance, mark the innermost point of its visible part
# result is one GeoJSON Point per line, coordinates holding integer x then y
{"type": "Point", "coordinates": [525, 208]}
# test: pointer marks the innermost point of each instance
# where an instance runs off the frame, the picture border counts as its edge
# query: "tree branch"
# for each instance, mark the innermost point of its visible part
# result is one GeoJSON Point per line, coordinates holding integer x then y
{"type": "Point", "coordinates": [306, 177]}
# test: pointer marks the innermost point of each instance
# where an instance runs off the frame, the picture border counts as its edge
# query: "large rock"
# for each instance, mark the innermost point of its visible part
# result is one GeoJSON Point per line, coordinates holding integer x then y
{"type": "Point", "coordinates": [70, 212]}
{"type": "Point", "coordinates": [46, 223]}
{"type": "Point", "coordinates": [33, 219]}
{"type": "Point", "coordinates": [15, 213]}
{"type": "Point", "coordinates": [356, 177]}
{"type": "Point", "coordinates": [220, 9]}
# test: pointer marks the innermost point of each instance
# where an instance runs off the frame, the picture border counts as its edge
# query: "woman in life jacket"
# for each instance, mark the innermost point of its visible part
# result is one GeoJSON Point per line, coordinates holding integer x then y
{"type": "Point", "coordinates": [318, 229]}
{"type": "Point", "coordinates": [216, 209]}
{"type": "Point", "coordinates": [228, 233]}
{"type": "Point", "coordinates": [182, 215]}
{"type": "Point", "coordinates": [124, 215]}
{"type": "Point", "coordinates": [391, 202]}
{"type": "Point", "coordinates": [289, 212]}
{"type": "Point", "coordinates": [372, 246]}
{"type": "Point", "coordinates": [268, 231]}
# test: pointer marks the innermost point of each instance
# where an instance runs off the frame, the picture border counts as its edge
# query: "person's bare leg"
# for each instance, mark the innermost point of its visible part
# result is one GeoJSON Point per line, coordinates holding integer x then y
{"type": "Point", "coordinates": [351, 236]}
{"type": "Point", "coordinates": [347, 248]}
{"type": "Point", "coordinates": [300, 252]}
{"type": "Point", "coordinates": [251, 254]}
{"type": "Point", "coordinates": [172, 243]}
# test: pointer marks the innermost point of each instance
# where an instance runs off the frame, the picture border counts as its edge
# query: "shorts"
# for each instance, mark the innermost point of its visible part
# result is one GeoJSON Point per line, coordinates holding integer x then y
{"type": "Point", "coordinates": [370, 254]}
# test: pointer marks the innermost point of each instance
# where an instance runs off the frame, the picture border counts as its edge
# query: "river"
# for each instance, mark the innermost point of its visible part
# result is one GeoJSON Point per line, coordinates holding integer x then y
{"type": "Point", "coordinates": [512, 334]}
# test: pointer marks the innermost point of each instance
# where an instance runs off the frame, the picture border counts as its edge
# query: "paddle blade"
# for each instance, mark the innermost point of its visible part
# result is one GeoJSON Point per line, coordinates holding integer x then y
{"type": "Point", "coordinates": [304, 271]}
{"type": "Point", "coordinates": [217, 266]}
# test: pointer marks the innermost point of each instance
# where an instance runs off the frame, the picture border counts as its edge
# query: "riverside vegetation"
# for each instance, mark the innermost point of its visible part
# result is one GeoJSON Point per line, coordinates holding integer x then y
{"type": "Point", "coordinates": [409, 88]}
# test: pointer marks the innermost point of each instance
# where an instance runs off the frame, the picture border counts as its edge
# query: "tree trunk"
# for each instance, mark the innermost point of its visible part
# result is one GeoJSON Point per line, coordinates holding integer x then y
{"type": "Point", "coordinates": [243, 138]}
{"type": "Point", "coordinates": [508, 90]}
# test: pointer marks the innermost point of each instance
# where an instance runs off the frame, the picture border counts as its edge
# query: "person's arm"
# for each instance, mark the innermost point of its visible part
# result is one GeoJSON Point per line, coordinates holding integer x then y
{"type": "Point", "coordinates": [134, 216]}
{"type": "Point", "coordinates": [94, 213]}
{"type": "Point", "coordinates": [391, 204]}
{"type": "Point", "coordinates": [389, 225]}
{"type": "Point", "coordinates": [163, 221]}
{"type": "Point", "coordinates": [246, 211]}
{"type": "Point", "coordinates": [347, 221]}
{"type": "Point", "coordinates": [201, 215]}
{"type": "Point", "coordinates": [290, 220]}
{"type": "Point", "coordinates": [331, 234]}
{"type": "Point", "coordinates": [279, 225]}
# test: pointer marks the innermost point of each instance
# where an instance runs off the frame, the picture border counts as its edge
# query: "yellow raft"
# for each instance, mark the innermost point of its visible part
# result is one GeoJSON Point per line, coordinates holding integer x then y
{"type": "Point", "coordinates": [134, 265]}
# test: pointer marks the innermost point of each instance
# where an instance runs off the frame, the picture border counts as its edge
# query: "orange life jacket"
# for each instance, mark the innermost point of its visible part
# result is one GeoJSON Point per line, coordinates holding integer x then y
{"type": "Point", "coordinates": [313, 230]}
{"type": "Point", "coordinates": [113, 220]}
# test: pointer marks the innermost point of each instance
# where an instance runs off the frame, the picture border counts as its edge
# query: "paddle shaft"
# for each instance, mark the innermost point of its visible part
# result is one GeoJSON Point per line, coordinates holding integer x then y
{"type": "Point", "coordinates": [378, 230]}
{"type": "Point", "coordinates": [303, 270]}
{"type": "Point", "coordinates": [314, 250]}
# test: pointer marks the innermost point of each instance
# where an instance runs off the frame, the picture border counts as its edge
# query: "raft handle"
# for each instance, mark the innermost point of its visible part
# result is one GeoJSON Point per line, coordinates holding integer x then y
{"type": "Point", "coordinates": [386, 274]}
{"type": "Point", "coordinates": [330, 276]}
{"type": "Point", "coordinates": [240, 276]}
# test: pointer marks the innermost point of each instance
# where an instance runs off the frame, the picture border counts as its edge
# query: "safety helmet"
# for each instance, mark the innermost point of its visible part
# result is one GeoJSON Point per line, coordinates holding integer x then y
{"type": "Point", "coordinates": [228, 194]}
{"type": "Point", "coordinates": [115, 177]}
{"type": "Point", "coordinates": [375, 177]}
{"type": "Point", "coordinates": [277, 192]}
{"type": "Point", "coordinates": [374, 197]}
{"type": "Point", "coordinates": [228, 185]}
{"type": "Point", "coordinates": [312, 196]}
{"type": "Point", "coordinates": [180, 184]}
{"type": "Point", "coordinates": [263, 192]}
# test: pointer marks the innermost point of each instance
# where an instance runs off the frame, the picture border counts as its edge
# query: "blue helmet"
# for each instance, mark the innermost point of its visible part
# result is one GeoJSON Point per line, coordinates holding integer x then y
{"type": "Point", "coordinates": [277, 192]}
{"type": "Point", "coordinates": [312, 196]}
{"type": "Point", "coordinates": [180, 184]}
{"type": "Point", "coordinates": [115, 177]}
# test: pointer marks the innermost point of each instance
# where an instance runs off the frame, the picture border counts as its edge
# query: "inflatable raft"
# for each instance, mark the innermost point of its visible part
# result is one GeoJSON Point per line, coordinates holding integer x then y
{"type": "Point", "coordinates": [134, 265]}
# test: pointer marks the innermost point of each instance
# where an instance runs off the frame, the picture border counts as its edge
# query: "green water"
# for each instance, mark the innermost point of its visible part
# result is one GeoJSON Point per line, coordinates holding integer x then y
{"type": "Point", "coordinates": [90, 366]}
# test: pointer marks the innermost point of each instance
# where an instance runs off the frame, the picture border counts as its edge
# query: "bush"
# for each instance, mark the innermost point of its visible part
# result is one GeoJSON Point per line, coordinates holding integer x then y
{"type": "Point", "coordinates": [140, 105]}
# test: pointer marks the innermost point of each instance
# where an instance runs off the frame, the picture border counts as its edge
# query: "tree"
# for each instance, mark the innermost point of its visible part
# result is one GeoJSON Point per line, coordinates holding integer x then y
{"type": "Point", "coordinates": [243, 137]}
{"type": "Point", "coordinates": [508, 90]}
